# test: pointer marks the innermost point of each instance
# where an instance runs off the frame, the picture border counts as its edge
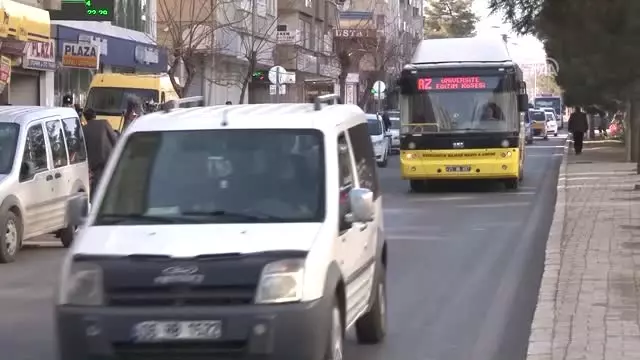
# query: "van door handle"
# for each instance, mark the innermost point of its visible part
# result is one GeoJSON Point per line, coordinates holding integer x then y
{"type": "Point", "coordinates": [58, 175]}
{"type": "Point", "coordinates": [363, 226]}
{"type": "Point", "coordinates": [49, 177]}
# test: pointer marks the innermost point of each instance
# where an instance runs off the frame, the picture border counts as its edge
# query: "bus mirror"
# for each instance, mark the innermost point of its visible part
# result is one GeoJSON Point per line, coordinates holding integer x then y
{"type": "Point", "coordinates": [523, 102]}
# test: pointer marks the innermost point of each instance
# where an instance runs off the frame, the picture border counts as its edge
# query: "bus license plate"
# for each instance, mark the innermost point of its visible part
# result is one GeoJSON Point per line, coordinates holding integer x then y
{"type": "Point", "coordinates": [154, 331]}
{"type": "Point", "coordinates": [458, 168]}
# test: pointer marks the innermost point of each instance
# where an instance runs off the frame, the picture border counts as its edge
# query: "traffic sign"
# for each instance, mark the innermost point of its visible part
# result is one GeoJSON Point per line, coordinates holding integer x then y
{"type": "Point", "coordinates": [281, 75]}
{"type": "Point", "coordinates": [378, 88]}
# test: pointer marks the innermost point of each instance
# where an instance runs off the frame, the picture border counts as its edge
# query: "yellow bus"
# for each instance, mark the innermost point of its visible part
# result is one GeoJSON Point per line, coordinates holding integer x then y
{"type": "Point", "coordinates": [462, 107]}
{"type": "Point", "coordinates": [108, 93]}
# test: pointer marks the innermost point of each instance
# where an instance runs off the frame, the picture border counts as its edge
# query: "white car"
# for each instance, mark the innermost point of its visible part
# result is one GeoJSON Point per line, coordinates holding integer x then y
{"type": "Point", "coordinates": [219, 233]}
{"type": "Point", "coordinates": [395, 133]}
{"type": "Point", "coordinates": [379, 139]}
{"type": "Point", "coordinates": [552, 124]}
{"type": "Point", "coordinates": [557, 116]}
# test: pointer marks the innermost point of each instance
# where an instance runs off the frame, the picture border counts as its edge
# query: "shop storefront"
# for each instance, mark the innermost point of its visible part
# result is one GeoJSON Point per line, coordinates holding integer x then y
{"type": "Point", "coordinates": [25, 44]}
{"type": "Point", "coordinates": [82, 53]}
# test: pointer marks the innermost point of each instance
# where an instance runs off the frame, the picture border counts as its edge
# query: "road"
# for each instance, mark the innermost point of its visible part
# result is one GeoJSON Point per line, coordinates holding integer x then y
{"type": "Point", "coordinates": [465, 265]}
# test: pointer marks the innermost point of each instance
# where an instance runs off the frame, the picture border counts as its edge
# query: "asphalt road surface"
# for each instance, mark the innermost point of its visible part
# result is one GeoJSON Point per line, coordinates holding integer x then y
{"type": "Point", "coordinates": [465, 266]}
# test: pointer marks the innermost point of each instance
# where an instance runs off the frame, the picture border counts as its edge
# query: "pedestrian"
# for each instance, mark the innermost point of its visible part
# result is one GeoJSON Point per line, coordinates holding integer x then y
{"type": "Point", "coordinates": [386, 121]}
{"type": "Point", "coordinates": [67, 100]}
{"type": "Point", "coordinates": [578, 126]}
{"type": "Point", "coordinates": [100, 139]}
{"type": "Point", "coordinates": [132, 112]}
{"type": "Point", "coordinates": [78, 109]}
{"type": "Point", "coordinates": [603, 124]}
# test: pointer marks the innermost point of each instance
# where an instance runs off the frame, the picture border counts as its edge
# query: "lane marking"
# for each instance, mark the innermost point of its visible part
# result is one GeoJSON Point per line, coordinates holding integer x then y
{"type": "Point", "coordinates": [473, 206]}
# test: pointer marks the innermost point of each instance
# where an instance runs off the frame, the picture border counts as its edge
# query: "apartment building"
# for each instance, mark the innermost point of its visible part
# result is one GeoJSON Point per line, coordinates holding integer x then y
{"type": "Point", "coordinates": [305, 47]}
{"type": "Point", "coordinates": [374, 40]}
{"type": "Point", "coordinates": [227, 40]}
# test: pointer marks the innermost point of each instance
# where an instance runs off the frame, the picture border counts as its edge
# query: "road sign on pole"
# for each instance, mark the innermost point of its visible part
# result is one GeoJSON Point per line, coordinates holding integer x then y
{"type": "Point", "coordinates": [275, 74]}
{"type": "Point", "coordinates": [378, 89]}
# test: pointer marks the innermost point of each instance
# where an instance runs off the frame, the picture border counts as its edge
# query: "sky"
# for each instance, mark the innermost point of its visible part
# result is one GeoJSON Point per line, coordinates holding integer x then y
{"type": "Point", "coordinates": [524, 49]}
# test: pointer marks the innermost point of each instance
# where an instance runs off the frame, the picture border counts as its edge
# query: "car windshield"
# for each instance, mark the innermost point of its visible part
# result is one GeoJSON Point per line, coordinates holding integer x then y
{"type": "Point", "coordinates": [375, 127]}
{"type": "Point", "coordinates": [458, 104]}
{"type": "Point", "coordinates": [113, 101]}
{"type": "Point", "coordinates": [550, 116]}
{"type": "Point", "coordinates": [395, 123]}
{"type": "Point", "coordinates": [217, 176]}
{"type": "Point", "coordinates": [537, 115]}
{"type": "Point", "coordinates": [8, 142]}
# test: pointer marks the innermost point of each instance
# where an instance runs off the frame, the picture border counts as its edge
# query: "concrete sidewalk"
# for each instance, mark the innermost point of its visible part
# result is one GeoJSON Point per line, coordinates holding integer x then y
{"type": "Point", "coordinates": [589, 301]}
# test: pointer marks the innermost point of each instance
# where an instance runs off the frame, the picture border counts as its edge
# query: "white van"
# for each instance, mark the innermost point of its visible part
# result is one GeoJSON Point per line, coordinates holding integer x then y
{"type": "Point", "coordinates": [237, 231]}
{"type": "Point", "coordinates": [43, 162]}
{"type": "Point", "coordinates": [379, 138]}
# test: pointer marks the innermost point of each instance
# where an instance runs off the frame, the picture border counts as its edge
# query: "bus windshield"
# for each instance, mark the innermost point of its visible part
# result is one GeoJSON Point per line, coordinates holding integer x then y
{"type": "Point", "coordinates": [483, 105]}
{"type": "Point", "coordinates": [108, 101]}
{"type": "Point", "coordinates": [549, 102]}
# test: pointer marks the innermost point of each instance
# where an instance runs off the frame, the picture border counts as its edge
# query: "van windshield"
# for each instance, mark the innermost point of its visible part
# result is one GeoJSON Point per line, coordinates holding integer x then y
{"type": "Point", "coordinates": [8, 141]}
{"type": "Point", "coordinates": [218, 176]}
{"type": "Point", "coordinates": [109, 101]}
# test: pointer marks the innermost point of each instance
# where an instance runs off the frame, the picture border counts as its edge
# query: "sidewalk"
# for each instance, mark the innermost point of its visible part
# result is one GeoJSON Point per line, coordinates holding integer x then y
{"type": "Point", "coordinates": [589, 302]}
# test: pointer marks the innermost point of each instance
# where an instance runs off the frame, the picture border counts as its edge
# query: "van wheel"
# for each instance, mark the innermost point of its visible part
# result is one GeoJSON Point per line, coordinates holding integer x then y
{"type": "Point", "coordinates": [555, 134]}
{"type": "Point", "coordinates": [546, 137]}
{"type": "Point", "coordinates": [335, 343]}
{"type": "Point", "coordinates": [10, 237]}
{"type": "Point", "coordinates": [384, 162]}
{"type": "Point", "coordinates": [67, 235]}
{"type": "Point", "coordinates": [371, 328]}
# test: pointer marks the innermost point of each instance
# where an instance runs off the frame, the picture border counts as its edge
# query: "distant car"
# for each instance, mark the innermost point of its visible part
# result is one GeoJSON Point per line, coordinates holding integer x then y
{"type": "Point", "coordinates": [395, 133]}
{"type": "Point", "coordinates": [558, 117]}
{"type": "Point", "coordinates": [528, 133]}
{"type": "Point", "coordinates": [379, 139]}
{"type": "Point", "coordinates": [538, 122]}
{"type": "Point", "coordinates": [552, 124]}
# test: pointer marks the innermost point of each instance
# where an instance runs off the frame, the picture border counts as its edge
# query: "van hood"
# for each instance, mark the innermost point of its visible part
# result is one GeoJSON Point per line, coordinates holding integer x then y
{"type": "Point", "coordinates": [193, 240]}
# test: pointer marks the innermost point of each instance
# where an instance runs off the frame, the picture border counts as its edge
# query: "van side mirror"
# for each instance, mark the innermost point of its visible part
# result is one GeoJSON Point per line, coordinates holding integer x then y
{"type": "Point", "coordinates": [362, 208]}
{"type": "Point", "coordinates": [77, 209]}
{"type": "Point", "coordinates": [523, 102]}
{"type": "Point", "coordinates": [27, 171]}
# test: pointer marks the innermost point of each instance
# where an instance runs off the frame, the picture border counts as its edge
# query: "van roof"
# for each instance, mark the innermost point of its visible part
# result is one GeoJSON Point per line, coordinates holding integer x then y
{"type": "Point", "coordinates": [130, 80]}
{"type": "Point", "coordinates": [25, 114]}
{"type": "Point", "coordinates": [255, 116]}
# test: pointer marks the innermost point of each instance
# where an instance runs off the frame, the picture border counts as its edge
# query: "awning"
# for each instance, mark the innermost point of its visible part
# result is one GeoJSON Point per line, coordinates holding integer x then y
{"type": "Point", "coordinates": [24, 22]}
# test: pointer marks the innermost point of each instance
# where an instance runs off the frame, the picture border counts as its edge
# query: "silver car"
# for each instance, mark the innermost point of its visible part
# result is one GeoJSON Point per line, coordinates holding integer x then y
{"type": "Point", "coordinates": [43, 163]}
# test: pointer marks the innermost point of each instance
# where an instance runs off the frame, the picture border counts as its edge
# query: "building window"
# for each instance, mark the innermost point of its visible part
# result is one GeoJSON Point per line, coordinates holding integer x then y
{"type": "Point", "coordinates": [131, 14]}
{"type": "Point", "coordinates": [305, 27]}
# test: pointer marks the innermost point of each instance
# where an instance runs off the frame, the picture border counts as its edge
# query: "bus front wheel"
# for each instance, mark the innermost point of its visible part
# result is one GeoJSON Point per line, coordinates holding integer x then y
{"type": "Point", "coordinates": [418, 186]}
{"type": "Point", "coordinates": [511, 184]}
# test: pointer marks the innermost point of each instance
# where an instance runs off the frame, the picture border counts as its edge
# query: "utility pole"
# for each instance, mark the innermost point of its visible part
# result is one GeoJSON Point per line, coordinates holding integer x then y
{"type": "Point", "coordinates": [212, 44]}
{"type": "Point", "coordinates": [253, 53]}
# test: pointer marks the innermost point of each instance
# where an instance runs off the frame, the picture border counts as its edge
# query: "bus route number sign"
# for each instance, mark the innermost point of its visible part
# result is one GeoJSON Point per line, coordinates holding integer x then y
{"type": "Point", "coordinates": [451, 83]}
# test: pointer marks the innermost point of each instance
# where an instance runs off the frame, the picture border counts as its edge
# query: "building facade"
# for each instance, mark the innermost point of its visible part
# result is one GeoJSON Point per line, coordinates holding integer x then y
{"type": "Point", "coordinates": [305, 48]}
{"type": "Point", "coordinates": [374, 40]}
{"type": "Point", "coordinates": [224, 45]}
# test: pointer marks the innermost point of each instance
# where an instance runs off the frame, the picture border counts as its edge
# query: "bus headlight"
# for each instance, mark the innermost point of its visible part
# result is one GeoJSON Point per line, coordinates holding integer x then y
{"type": "Point", "coordinates": [506, 154]}
{"type": "Point", "coordinates": [505, 143]}
{"type": "Point", "coordinates": [281, 282]}
{"type": "Point", "coordinates": [82, 285]}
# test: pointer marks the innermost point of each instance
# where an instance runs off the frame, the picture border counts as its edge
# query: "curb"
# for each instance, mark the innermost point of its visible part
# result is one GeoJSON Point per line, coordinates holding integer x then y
{"type": "Point", "coordinates": [543, 325]}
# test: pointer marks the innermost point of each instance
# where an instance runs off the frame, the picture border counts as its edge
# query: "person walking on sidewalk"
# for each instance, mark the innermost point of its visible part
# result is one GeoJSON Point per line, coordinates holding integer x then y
{"type": "Point", "coordinates": [578, 126]}
{"type": "Point", "coordinates": [100, 139]}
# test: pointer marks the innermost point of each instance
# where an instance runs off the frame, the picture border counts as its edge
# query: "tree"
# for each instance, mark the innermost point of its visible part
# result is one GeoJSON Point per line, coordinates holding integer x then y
{"type": "Point", "coordinates": [449, 19]}
{"type": "Point", "coordinates": [546, 84]}
{"type": "Point", "coordinates": [187, 28]}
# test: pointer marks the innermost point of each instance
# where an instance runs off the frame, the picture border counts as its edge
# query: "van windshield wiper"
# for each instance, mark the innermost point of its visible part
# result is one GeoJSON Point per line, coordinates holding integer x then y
{"type": "Point", "coordinates": [246, 216]}
{"type": "Point", "coordinates": [113, 219]}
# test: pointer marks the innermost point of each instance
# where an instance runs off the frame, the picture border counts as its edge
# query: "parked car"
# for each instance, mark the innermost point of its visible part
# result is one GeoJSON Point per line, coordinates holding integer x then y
{"type": "Point", "coordinates": [43, 164]}
{"type": "Point", "coordinates": [380, 139]}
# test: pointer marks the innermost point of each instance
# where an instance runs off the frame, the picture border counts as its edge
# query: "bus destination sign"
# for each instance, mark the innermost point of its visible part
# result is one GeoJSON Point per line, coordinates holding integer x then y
{"type": "Point", "coordinates": [456, 83]}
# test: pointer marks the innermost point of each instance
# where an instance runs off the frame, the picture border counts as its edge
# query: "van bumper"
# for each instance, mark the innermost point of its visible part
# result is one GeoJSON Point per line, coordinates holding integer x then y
{"type": "Point", "coordinates": [284, 331]}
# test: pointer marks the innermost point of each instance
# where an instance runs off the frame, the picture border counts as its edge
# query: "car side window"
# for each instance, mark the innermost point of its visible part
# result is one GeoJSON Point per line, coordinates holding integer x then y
{"type": "Point", "coordinates": [35, 148]}
{"type": "Point", "coordinates": [346, 180]}
{"type": "Point", "coordinates": [74, 139]}
{"type": "Point", "coordinates": [365, 158]}
{"type": "Point", "coordinates": [57, 143]}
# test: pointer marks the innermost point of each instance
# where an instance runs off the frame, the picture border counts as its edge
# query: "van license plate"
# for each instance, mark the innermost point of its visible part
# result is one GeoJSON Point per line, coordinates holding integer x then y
{"type": "Point", "coordinates": [154, 331]}
{"type": "Point", "coordinates": [458, 168]}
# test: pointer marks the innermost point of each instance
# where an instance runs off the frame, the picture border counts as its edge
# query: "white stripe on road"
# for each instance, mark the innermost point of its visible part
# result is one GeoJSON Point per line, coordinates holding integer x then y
{"type": "Point", "coordinates": [415, 237]}
{"type": "Point", "coordinates": [497, 205]}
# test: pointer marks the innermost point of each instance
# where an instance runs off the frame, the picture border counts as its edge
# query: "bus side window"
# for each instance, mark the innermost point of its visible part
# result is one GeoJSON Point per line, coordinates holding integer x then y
{"type": "Point", "coordinates": [162, 97]}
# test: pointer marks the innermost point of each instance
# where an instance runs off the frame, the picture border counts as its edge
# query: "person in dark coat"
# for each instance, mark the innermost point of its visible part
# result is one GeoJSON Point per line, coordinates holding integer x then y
{"type": "Point", "coordinates": [134, 110]}
{"type": "Point", "coordinates": [578, 126]}
{"type": "Point", "coordinates": [386, 120]}
{"type": "Point", "coordinates": [67, 100]}
{"type": "Point", "coordinates": [100, 139]}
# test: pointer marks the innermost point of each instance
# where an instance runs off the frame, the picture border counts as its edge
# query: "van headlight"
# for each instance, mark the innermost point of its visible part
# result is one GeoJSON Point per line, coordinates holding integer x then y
{"type": "Point", "coordinates": [281, 282]}
{"type": "Point", "coordinates": [82, 285]}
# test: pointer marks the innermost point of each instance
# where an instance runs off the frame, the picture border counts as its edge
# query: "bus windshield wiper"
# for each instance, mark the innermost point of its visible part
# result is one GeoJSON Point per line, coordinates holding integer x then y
{"type": "Point", "coordinates": [253, 216]}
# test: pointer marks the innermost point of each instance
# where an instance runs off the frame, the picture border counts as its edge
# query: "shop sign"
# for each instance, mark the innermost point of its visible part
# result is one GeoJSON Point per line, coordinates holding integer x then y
{"type": "Point", "coordinates": [82, 56]}
{"type": "Point", "coordinates": [13, 47]}
{"type": "Point", "coordinates": [5, 72]}
{"type": "Point", "coordinates": [40, 56]}
{"type": "Point", "coordinates": [146, 55]}
{"type": "Point", "coordinates": [355, 33]}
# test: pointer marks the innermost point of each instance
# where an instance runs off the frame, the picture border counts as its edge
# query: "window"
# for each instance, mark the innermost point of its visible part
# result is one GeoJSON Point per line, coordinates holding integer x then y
{"type": "Point", "coordinates": [113, 101]}
{"type": "Point", "coordinates": [8, 144]}
{"type": "Point", "coordinates": [235, 176]}
{"type": "Point", "coordinates": [56, 143]}
{"type": "Point", "coordinates": [281, 28]}
{"type": "Point", "coordinates": [364, 158]}
{"type": "Point", "coordinates": [345, 180]}
{"type": "Point", "coordinates": [35, 148]}
{"type": "Point", "coordinates": [305, 27]}
{"type": "Point", "coordinates": [74, 140]}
